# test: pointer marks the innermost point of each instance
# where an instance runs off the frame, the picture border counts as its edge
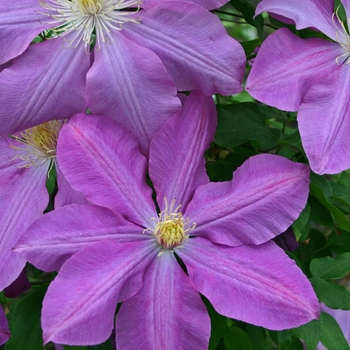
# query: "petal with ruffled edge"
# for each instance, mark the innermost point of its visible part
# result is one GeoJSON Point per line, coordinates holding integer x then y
{"type": "Point", "coordinates": [193, 45]}
{"type": "Point", "coordinates": [65, 194]}
{"type": "Point", "coordinates": [4, 328]}
{"type": "Point", "coordinates": [101, 159]}
{"type": "Point", "coordinates": [266, 195]}
{"type": "Point", "coordinates": [255, 284]}
{"type": "Point", "coordinates": [23, 199]}
{"type": "Point", "coordinates": [80, 303]}
{"type": "Point", "coordinates": [56, 236]}
{"type": "Point", "coordinates": [208, 4]}
{"type": "Point", "coordinates": [287, 66]}
{"type": "Point", "coordinates": [166, 313]}
{"type": "Point", "coordinates": [129, 83]}
{"type": "Point", "coordinates": [305, 13]}
{"type": "Point", "coordinates": [177, 164]}
{"type": "Point", "coordinates": [30, 96]}
{"type": "Point", "coordinates": [324, 123]}
{"type": "Point", "coordinates": [20, 23]}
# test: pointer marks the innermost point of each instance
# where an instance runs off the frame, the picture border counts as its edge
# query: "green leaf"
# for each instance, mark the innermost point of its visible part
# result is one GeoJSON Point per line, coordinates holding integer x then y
{"type": "Point", "coordinates": [331, 268]}
{"type": "Point", "coordinates": [309, 332]}
{"type": "Point", "coordinates": [25, 323]}
{"type": "Point", "coordinates": [218, 325]}
{"type": "Point", "coordinates": [333, 295]}
{"type": "Point", "coordinates": [301, 223]}
{"type": "Point", "coordinates": [282, 338]}
{"type": "Point", "coordinates": [236, 339]}
{"type": "Point", "coordinates": [320, 213]}
{"type": "Point", "coordinates": [339, 242]}
{"type": "Point", "coordinates": [332, 336]}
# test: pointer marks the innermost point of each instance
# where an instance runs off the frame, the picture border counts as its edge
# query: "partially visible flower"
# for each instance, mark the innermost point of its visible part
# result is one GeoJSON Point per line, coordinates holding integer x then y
{"type": "Point", "coordinates": [25, 160]}
{"type": "Point", "coordinates": [311, 76]}
{"type": "Point", "coordinates": [121, 250]}
{"type": "Point", "coordinates": [18, 286]}
{"type": "Point", "coordinates": [4, 328]}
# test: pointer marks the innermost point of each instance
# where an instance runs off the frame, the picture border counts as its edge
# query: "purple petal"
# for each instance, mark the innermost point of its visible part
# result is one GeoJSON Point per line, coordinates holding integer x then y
{"type": "Point", "coordinates": [346, 4]}
{"type": "Point", "coordinates": [18, 286]}
{"type": "Point", "coordinates": [324, 123]}
{"type": "Point", "coordinates": [166, 313]}
{"type": "Point", "coordinates": [4, 328]}
{"type": "Point", "coordinates": [95, 279]}
{"type": "Point", "coordinates": [65, 194]}
{"type": "Point", "coordinates": [136, 92]}
{"type": "Point", "coordinates": [305, 13]}
{"type": "Point", "coordinates": [56, 236]}
{"type": "Point", "coordinates": [255, 284]}
{"type": "Point", "coordinates": [209, 60]}
{"type": "Point", "coordinates": [208, 4]}
{"type": "Point", "coordinates": [195, 127]}
{"type": "Point", "coordinates": [266, 195]}
{"type": "Point", "coordinates": [287, 66]}
{"type": "Point", "coordinates": [101, 159]}
{"type": "Point", "coordinates": [30, 96]}
{"type": "Point", "coordinates": [20, 22]}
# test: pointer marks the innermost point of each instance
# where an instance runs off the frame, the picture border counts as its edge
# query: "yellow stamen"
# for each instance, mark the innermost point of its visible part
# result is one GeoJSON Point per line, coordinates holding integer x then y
{"type": "Point", "coordinates": [92, 7]}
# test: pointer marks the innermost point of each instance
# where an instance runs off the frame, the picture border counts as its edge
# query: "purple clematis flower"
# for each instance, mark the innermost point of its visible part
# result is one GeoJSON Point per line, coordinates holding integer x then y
{"type": "Point", "coordinates": [309, 76]}
{"type": "Point", "coordinates": [25, 161]}
{"type": "Point", "coordinates": [138, 44]}
{"type": "Point", "coordinates": [120, 250]}
{"type": "Point", "coordinates": [4, 328]}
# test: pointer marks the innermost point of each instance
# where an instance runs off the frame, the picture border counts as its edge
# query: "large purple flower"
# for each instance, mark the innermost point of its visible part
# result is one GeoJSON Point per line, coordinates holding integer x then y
{"type": "Point", "coordinates": [309, 76]}
{"type": "Point", "coordinates": [219, 232]}
{"type": "Point", "coordinates": [24, 164]}
{"type": "Point", "coordinates": [137, 46]}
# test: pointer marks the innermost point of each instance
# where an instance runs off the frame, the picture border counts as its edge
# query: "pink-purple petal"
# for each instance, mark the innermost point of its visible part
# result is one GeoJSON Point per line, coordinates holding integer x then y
{"type": "Point", "coordinates": [56, 236]}
{"type": "Point", "coordinates": [4, 327]}
{"type": "Point", "coordinates": [287, 66]}
{"type": "Point", "coordinates": [305, 13]}
{"type": "Point", "coordinates": [20, 22]}
{"type": "Point", "coordinates": [266, 195]}
{"type": "Point", "coordinates": [166, 313]}
{"type": "Point", "coordinates": [129, 83]}
{"type": "Point", "coordinates": [177, 164]}
{"type": "Point", "coordinates": [255, 284]}
{"type": "Point", "coordinates": [208, 4]}
{"type": "Point", "coordinates": [324, 123]}
{"type": "Point", "coordinates": [193, 45]}
{"type": "Point", "coordinates": [80, 303]}
{"type": "Point", "coordinates": [30, 96]}
{"type": "Point", "coordinates": [101, 159]}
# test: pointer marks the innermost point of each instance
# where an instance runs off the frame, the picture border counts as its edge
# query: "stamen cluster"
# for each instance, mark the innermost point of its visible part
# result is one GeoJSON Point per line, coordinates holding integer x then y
{"type": "Point", "coordinates": [342, 37]}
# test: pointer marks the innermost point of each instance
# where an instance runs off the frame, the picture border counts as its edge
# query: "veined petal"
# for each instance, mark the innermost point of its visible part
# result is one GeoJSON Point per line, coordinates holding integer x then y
{"type": "Point", "coordinates": [30, 96]}
{"type": "Point", "coordinates": [266, 195]}
{"type": "Point", "coordinates": [101, 159]}
{"type": "Point", "coordinates": [23, 198]}
{"type": "Point", "coordinates": [166, 313]}
{"type": "Point", "coordinates": [136, 92]}
{"type": "Point", "coordinates": [20, 23]}
{"type": "Point", "coordinates": [287, 66]}
{"type": "Point", "coordinates": [305, 13]}
{"type": "Point", "coordinates": [56, 236]}
{"type": "Point", "coordinates": [4, 328]}
{"type": "Point", "coordinates": [193, 45]}
{"type": "Point", "coordinates": [346, 4]}
{"type": "Point", "coordinates": [208, 4]}
{"type": "Point", "coordinates": [324, 123]}
{"type": "Point", "coordinates": [254, 284]}
{"type": "Point", "coordinates": [96, 278]}
{"type": "Point", "coordinates": [66, 194]}
{"type": "Point", "coordinates": [177, 164]}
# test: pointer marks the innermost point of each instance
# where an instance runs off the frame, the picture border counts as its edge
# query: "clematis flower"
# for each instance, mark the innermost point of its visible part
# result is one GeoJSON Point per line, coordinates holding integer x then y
{"type": "Point", "coordinates": [310, 76]}
{"type": "Point", "coordinates": [138, 44]}
{"type": "Point", "coordinates": [4, 328]}
{"type": "Point", "coordinates": [25, 161]}
{"type": "Point", "coordinates": [119, 249]}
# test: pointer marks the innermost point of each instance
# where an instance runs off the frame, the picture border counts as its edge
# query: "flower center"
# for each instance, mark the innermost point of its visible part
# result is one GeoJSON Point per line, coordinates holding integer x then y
{"type": "Point", "coordinates": [37, 145]}
{"type": "Point", "coordinates": [172, 229]}
{"type": "Point", "coordinates": [342, 37]}
{"type": "Point", "coordinates": [85, 17]}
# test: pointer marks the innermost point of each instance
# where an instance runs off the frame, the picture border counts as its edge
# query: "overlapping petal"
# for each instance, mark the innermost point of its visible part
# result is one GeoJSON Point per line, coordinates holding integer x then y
{"type": "Point", "coordinates": [32, 92]}
{"type": "Point", "coordinates": [305, 13]}
{"type": "Point", "coordinates": [266, 195]}
{"type": "Point", "coordinates": [96, 278]}
{"type": "Point", "coordinates": [287, 66]}
{"type": "Point", "coordinates": [20, 22]}
{"type": "Point", "coordinates": [193, 45]}
{"type": "Point", "coordinates": [254, 284]}
{"type": "Point", "coordinates": [98, 153]}
{"type": "Point", "coordinates": [56, 236]}
{"type": "Point", "coordinates": [167, 312]}
{"type": "Point", "coordinates": [324, 123]}
{"type": "Point", "coordinates": [4, 328]}
{"type": "Point", "coordinates": [136, 92]}
{"type": "Point", "coordinates": [180, 145]}
{"type": "Point", "coordinates": [208, 4]}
